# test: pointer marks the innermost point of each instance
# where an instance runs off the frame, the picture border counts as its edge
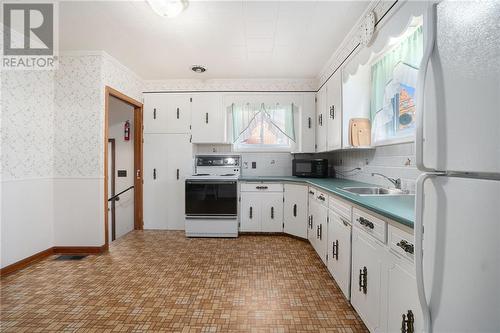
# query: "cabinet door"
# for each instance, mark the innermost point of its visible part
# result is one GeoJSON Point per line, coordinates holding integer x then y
{"type": "Point", "coordinates": [178, 113]}
{"type": "Point", "coordinates": [334, 109]}
{"type": "Point", "coordinates": [179, 165]}
{"type": "Point", "coordinates": [307, 128]}
{"type": "Point", "coordinates": [272, 212]}
{"type": "Point", "coordinates": [321, 120]}
{"type": "Point", "coordinates": [402, 296]}
{"type": "Point", "coordinates": [250, 212]}
{"type": "Point", "coordinates": [208, 120]}
{"type": "Point", "coordinates": [295, 210]}
{"type": "Point", "coordinates": [322, 232]}
{"type": "Point", "coordinates": [156, 190]}
{"type": "Point", "coordinates": [155, 113]}
{"type": "Point", "coordinates": [311, 235]}
{"type": "Point", "coordinates": [367, 260]}
{"type": "Point", "coordinates": [339, 251]}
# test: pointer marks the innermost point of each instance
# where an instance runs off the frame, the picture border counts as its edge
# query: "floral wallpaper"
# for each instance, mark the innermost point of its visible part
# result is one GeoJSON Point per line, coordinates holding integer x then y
{"type": "Point", "coordinates": [232, 85]}
{"type": "Point", "coordinates": [121, 78]}
{"type": "Point", "coordinates": [78, 117]}
{"type": "Point", "coordinates": [27, 129]}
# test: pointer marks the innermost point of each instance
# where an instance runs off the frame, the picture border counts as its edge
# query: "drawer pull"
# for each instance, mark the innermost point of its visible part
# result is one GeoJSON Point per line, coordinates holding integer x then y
{"type": "Point", "coordinates": [407, 323]}
{"type": "Point", "coordinates": [251, 215]}
{"type": "Point", "coordinates": [406, 246]}
{"type": "Point", "coordinates": [365, 222]}
{"type": "Point", "coordinates": [154, 173]}
{"type": "Point", "coordinates": [154, 113]}
{"type": "Point", "coordinates": [206, 118]}
{"type": "Point", "coordinates": [177, 113]}
{"type": "Point", "coordinates": [311, 192]}
{"type": "Point", "coordinates": [363, 279]}
{"type": "Point", "coordinates": [336, 249]}
{"type": "Point", "coordinates": [295, 210]}
{"type": "Point", "coordinates": [261, 187]}
{"type": "Point", "coordinates": [272, 212]}
{"type": "Point", "coordinates": [309, 122]}
{"type": "Point", "coordinates": [310, 221]}
{"type": "Point", "coordinates": [320, 231]}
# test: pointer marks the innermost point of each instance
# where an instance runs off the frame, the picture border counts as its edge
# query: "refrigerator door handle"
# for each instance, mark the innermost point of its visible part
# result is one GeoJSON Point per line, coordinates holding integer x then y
{"type": "Point", "coordinates": [419, 233]}
{"type": "Point", "coordinates": [422, 75]}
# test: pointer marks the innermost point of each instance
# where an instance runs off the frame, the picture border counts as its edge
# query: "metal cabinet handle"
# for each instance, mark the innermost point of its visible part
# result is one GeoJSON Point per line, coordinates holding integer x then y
{"type": "Point", "coordinates": [272, 212]}
{"type": "Point", "coordinates": [154, 173]}
{"type": "Point", "coordinates": [309, 122]}
{"type": "Point", "coordinates": [336, 250]}
{"type": "Point", "coordinates": [363, 279]}
{"type": "Point", "coordinates": [154, 113]}
{"type": "Point", "coordinates": [320, 120]}
{"type": "Point", "coordinates": [251, 215]}
{"type": "Point", "coordinates": [177, 113]}
{"type": "Point", "coordinates": [310, 221]}
{"type": "Point", "coordinates": [317, 231]}
{"type": "Point", "coordinates": [332, 111]}
{"type": "Point", "coordinates": [311, 192]}
{"type": "Point", "coordinates": [295, 210]}
{"type": "Point", "coordinates": [206, 118]}
{"type": "Point", "coordinates": [407, 322]}
{"type": "Point", "coordinates": [320, 231]}
{"type": "Point", "coordinates": [261, 187]}
{"type": "Point", "coordinates": [321, 197]}
{"type": "Point", "coordinates": [406, 246]}
{"type": "Point", "coordinates": [365, 222]}
{"type": "Point", "coordinates": [177, 174]}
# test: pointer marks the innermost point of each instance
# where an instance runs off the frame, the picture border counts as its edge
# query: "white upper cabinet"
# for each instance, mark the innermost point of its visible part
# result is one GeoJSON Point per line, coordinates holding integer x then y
{"type": "Point", "coordinates": [155, 113]}
{"type": "Point", "coordinates": [208, 118]}
{"type": "Point", "coordinates": [334, 111]}
{"type": "Point", "coordinates": [167, 113]}
{"type": "Point", "coordinates": [178, 113]}
{"type": "Point", "coordinates": [307, 124]}
{"type": "Point", "coordinates": [321, 120]}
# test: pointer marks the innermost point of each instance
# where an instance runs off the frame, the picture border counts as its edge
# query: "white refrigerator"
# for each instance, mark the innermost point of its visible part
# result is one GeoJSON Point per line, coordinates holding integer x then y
{"type": "Point", "coordinates": [457, 224]}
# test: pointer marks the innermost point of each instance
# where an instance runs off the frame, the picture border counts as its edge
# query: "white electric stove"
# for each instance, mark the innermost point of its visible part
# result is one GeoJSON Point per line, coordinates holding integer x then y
{"type": "Point", "coordinates": [212, 197]}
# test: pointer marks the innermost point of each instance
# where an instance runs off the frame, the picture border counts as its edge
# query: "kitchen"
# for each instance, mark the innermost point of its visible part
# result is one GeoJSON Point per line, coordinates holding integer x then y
{"type": "Point", "coordinates": [269, 194]}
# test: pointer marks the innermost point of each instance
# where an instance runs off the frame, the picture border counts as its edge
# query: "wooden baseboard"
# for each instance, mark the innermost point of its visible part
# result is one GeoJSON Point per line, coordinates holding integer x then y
{"type": "Point", "coordinates": [79, 249]}
{"type": "Point", "coordinates": [26, 262]}
{"type": "Point", "coordinates": [46, 253]}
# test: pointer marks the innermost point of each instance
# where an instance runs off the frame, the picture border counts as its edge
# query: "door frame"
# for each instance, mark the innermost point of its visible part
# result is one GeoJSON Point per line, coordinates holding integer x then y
{"type": "Point", "coordinates": [113, 189]}
{"type": "Point", "coordinates": [138, 159]}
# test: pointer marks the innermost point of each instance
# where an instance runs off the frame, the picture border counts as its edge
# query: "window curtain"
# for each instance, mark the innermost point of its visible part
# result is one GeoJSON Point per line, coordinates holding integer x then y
{"type": "Point", "coordinates": [398, 67]}
{"type": "Point", "coordinates": [249, 115]}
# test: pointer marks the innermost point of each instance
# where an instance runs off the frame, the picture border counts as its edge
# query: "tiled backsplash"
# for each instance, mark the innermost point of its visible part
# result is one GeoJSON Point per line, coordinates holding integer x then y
{"type": "Point", "coordinates": [396, 161]}
{"type": "Point", "coordinates": [266, 164]}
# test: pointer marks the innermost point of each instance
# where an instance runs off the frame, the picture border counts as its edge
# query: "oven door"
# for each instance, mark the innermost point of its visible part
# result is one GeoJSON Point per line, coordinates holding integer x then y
{"type": "Point", "coordinates": [211, 198]}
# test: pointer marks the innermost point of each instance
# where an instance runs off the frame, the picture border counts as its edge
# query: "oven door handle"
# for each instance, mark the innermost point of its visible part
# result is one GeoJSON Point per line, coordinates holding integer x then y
{"type": "Point", "coordinates": [211, 182]}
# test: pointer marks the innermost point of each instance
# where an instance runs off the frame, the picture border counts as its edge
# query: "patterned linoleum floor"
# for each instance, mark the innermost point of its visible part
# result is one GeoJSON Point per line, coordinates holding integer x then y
{"type": "Point", "coordinates": [159, 281]}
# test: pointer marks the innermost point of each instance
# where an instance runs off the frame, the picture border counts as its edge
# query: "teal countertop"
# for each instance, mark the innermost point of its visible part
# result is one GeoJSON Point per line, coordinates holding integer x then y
{"type": "Point", "coordinates": [398, 208]}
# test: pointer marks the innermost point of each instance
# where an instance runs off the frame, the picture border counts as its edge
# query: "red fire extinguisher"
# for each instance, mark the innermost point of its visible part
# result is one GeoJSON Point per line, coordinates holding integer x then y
{"type": "Point", "coordinates": [126, 131]}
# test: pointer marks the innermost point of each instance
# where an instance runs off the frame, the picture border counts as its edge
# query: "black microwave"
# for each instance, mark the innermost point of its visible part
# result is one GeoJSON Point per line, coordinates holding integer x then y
{"type": "Point", "coordinates": [314, 168]}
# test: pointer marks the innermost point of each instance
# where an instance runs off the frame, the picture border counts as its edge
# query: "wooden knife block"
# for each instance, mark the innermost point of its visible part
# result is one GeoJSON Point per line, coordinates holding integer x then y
{"type": "Point", "coordinates": [359, 132]}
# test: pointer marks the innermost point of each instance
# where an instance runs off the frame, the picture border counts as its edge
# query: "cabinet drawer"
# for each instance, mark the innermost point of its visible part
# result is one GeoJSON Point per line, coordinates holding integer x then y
{"type": "Point", "coordinates": [261, 187]}
{"type": "Point", "coordinates": [341, 208]}
{"type": "Point", "coordinates": [401, 242]}
{"type": "Point", "coordinates": [370, 224]}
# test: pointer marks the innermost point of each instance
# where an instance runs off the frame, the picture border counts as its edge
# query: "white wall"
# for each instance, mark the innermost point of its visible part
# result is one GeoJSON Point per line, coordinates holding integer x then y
{"type": "Point", "coordinates": [27, 159]}
{"type": "Point", "coordinates": [119, 113]}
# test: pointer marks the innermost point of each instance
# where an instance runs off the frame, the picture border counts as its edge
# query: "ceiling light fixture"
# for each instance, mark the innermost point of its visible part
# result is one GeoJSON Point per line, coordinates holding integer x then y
{"type": "Point", "coordinates": [198, 69]}
{"type": "Point", "coordinates": [168, 8]}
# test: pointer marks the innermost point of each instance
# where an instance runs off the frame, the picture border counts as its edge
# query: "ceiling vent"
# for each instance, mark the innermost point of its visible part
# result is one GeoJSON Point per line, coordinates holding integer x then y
{"type": "Point", "coordinates": [198, 69]}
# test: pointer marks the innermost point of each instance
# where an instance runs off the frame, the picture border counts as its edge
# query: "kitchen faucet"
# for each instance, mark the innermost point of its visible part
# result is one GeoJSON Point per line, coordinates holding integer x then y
{"type": "Point", "coordinates": [394, 181]}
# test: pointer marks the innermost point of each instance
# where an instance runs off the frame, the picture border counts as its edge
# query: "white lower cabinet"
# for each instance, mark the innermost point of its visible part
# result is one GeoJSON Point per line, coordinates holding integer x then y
{"type": "Point", "coordinates": [318, 234]}
{"type": "Point", "coordinates": [366, 277]}
{"type": "Point", "coordinates": [295, 210]}
{"type": "Point", "coordinates": [261, 208]}
{"type": "Point", "coordinates": [167, 162]}
{"type": "Point", "coordinates": [339, 250]}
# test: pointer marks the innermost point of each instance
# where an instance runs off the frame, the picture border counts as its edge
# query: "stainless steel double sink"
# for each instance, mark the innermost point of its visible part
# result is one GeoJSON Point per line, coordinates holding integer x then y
{"type": "Point", "coordinates": [374, 191]}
